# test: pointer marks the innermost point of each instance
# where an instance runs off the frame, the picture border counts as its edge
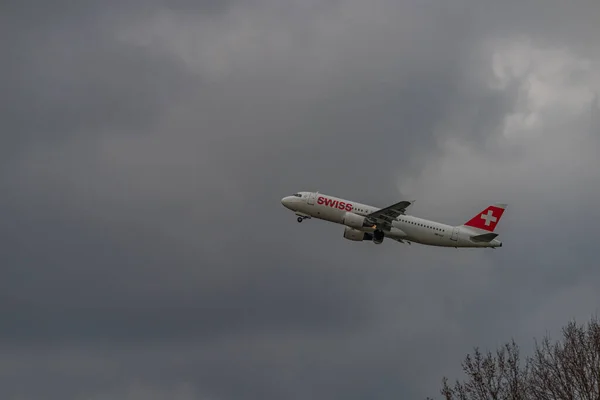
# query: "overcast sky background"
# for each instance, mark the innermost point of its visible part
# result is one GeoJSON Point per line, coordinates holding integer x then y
{"type": "Point", "coordinates": [146, 146]}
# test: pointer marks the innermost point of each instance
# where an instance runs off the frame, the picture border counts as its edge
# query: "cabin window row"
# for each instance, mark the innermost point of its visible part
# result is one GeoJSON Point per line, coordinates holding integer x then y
{"type": "Point", "coordinates": [423, 225]}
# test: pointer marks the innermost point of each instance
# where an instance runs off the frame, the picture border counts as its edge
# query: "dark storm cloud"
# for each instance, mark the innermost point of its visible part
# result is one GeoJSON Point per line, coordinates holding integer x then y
{"type": "Point", "coordinates": [145, 252]}
{"type": "Point", "coordinates": [65, 74]}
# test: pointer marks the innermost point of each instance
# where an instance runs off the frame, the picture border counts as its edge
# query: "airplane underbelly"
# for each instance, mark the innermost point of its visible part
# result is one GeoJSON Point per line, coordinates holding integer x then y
{"type": "Point", "coordinates": [330, 214]}
{"type": "Point", "coordinates": [446, 241]}
{"type": "Point", "coordinates": [425, 237]}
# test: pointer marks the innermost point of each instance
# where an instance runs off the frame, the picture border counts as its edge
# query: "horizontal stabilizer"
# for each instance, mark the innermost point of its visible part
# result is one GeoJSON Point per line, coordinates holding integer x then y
{"type": "Point", "coordinates": [486, 237]}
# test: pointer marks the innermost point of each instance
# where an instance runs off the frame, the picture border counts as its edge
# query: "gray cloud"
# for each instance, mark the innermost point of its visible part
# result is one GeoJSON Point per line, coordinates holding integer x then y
{"type": "Point", "coordinates": [146, 147]}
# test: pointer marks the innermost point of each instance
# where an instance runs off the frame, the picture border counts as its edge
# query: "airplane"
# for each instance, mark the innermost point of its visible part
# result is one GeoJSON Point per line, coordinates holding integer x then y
{"type": "Point", "coordinates": [367, 223]}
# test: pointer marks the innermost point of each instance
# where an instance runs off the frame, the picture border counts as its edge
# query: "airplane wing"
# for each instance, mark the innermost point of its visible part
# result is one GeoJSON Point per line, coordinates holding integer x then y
{"type": "Point", "coordinates": [383, 217]}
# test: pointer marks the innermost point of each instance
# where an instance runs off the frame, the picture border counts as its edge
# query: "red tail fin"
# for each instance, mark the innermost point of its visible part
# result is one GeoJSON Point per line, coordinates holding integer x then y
{"type": "Point", "coordinates": [488, 218]}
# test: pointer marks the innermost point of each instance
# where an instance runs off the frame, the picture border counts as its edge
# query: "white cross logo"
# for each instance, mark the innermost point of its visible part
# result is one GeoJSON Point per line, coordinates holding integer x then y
{"type": "Point", "coordinates": [488, 217]}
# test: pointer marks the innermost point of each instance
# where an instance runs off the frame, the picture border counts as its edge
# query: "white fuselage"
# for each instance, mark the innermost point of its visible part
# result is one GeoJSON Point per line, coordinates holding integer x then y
{"type": "Point", "coordinates": [404, 228]}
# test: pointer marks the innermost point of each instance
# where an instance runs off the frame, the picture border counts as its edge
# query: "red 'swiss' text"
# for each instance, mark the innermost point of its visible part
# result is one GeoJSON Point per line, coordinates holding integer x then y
{"type": "Point", "coordinates": [334, 203]}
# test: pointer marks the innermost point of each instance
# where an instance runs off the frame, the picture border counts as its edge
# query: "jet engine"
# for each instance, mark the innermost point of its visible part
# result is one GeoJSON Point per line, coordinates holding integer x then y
{"type": "Point", "coordinates": [356, 235]}
{"type": "Point", "coordinates": [354, 220]}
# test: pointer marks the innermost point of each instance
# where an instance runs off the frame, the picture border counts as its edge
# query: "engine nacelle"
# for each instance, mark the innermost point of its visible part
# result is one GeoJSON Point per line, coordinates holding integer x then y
{"type": "Point", "coordinates": [356, 235]}
{"type": "Point", "coordinates": [353, 220]}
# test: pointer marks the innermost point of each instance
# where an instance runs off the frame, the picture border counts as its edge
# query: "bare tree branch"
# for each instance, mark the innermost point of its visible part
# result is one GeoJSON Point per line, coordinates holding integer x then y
{"type": "Point", "coordinates": [568, 369]}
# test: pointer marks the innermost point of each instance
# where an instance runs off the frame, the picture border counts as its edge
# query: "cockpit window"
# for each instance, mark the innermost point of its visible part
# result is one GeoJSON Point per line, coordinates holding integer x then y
{"type": "Point", "coordinates": [297, 195]}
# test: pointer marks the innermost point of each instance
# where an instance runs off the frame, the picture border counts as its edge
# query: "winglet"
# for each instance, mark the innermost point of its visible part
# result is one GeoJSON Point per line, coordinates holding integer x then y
{"type": "Point", "coordinates": [487, 219]}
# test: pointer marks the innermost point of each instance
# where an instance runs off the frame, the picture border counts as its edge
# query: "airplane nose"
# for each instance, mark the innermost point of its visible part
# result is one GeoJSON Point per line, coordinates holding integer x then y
{"type": "Point", "coordinates": [286, 201]}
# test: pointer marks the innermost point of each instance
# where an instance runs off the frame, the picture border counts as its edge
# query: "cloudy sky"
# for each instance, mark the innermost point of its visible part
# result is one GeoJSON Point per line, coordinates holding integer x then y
{"type": "Point", "coordinates": [146, 146]}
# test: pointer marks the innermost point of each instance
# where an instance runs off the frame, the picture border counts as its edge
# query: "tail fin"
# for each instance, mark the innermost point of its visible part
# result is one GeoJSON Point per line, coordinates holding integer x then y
{"type": "Point", "coordinates": [488, 218]}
